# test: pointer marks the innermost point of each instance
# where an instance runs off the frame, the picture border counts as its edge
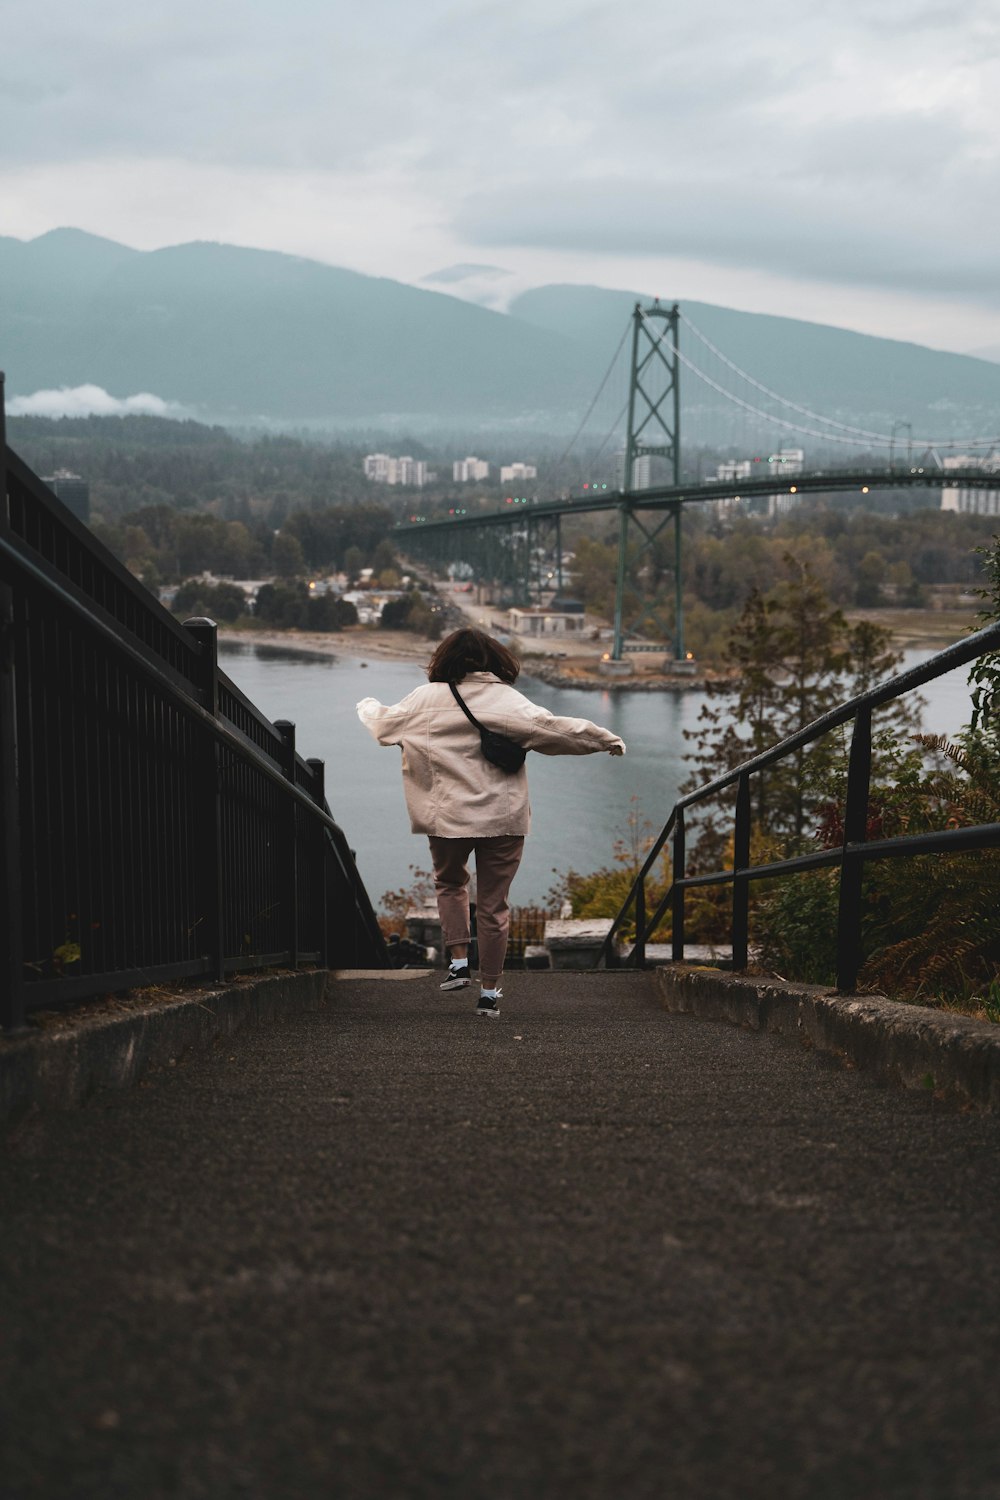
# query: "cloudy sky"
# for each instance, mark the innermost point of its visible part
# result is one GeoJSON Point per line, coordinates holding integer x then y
{"type": "Point", "coordinates": [838, 161]}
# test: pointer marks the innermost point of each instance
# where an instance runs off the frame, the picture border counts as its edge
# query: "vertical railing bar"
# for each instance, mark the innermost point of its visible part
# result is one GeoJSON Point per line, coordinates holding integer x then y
{"type": "Point", "coordinates": [639, 951]}
{"type": "Point", "coordinates": [12, 926]}
{"type": "Point", "coordinates": [679, 858]}
{"type": "Point", "coordinates": [289, 821]}
{"type": "Point", "coordinates": [205, 633]}
{"type": "Point", "coordinates": [741, 888]}
{"type": "Point", "coordinates": [318, 769]}
{"type": "Point", "coordinates": [852, 870]}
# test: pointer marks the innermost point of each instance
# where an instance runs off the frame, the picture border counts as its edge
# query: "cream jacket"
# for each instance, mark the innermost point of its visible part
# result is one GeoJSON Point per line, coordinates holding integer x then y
{"type": "Point", "coordinates": [452, 791]}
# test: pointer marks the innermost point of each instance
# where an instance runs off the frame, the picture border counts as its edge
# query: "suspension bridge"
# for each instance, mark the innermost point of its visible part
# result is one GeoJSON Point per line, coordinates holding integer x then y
{"type": "Point", "coordinates": [654, 488]}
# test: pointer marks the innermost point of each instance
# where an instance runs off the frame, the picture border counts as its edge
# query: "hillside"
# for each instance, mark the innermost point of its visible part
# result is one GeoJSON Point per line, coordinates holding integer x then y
{"type": "Point", "coordinates": [235, 335]}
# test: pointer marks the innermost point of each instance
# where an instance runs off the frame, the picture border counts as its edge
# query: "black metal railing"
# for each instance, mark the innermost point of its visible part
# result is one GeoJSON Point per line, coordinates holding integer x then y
{"type": "Point", "coordinates": [154, 824]}
{"type": "Point", "coordinates": [851, 856]}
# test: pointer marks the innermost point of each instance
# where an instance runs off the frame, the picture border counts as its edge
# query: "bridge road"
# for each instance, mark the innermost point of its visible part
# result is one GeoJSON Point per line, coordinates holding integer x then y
{"type": "Point", "coordinates": [386, 1249]}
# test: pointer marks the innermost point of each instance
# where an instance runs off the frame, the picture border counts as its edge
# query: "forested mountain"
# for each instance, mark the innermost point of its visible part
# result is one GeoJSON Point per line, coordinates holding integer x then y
{"type": "Point", "coordinates": [234, 335]}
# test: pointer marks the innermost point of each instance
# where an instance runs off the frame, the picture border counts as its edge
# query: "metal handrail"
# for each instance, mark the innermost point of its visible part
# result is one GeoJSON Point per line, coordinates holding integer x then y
{"type": "Point", "coordinates": [165, 684]}
{"type": "Point", "coordinates": [300, 783]}
{"type": "Point", "coordinates": [851, 856]}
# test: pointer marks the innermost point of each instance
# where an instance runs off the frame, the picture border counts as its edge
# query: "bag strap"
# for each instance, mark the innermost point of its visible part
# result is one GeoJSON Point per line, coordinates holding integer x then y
{"type": "Point", "coordinates": [467, 711]}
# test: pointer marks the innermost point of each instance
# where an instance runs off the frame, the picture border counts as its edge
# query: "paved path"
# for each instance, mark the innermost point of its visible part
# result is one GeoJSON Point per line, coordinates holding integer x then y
{"type": "Point", "coordinates": [389, 1250]}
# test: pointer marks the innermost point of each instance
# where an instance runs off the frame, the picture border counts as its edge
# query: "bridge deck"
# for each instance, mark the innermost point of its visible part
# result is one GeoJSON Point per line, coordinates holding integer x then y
{"type": "Point", "coordinates": [388, 1249]}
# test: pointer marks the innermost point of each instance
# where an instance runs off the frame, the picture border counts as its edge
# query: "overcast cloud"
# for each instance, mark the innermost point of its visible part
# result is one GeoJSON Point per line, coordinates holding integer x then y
{"type": "Point", "coordinates": [839, 162]}
{"type": "Point", "coordinates": [92, 401]}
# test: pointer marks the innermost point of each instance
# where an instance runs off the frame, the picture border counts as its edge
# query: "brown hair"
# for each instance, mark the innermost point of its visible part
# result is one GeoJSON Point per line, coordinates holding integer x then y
{"type": "Point", "coordinates": [471, 650]}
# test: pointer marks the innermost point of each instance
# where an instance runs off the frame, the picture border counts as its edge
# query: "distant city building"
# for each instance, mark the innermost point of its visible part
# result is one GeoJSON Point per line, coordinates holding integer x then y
{"type": "Point", "coordinates": [789, 460]}
{"type": "Point", "coordinates": [463, 470]}
{"type": "Point", "coordinates": [73, 491]}
{"type": "Point", "coordinates": [988, 462]}
{"type": "Point", "coordinates": [510, 472]}
{"type": "Point", "coordinates": [968, 501]}
{"type": "Point", "coordinates": [533, 624]}
{"type": "Point", "coordinates": [377, 467]}
{"type": "Point", "coordinates": [380, 468]}
{"type": "Point", "coordinates": [642, 472]}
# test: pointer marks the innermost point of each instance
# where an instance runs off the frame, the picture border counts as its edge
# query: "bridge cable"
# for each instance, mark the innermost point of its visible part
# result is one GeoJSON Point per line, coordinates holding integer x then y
{"type": "Point", "coordinates": [597, 396]}
{"type": "Point", "coordinates": [804, 411]}
{"type": "Point", "coordinates": [831, 437]}
{"type": "Point", "coordinates": [614, 428]}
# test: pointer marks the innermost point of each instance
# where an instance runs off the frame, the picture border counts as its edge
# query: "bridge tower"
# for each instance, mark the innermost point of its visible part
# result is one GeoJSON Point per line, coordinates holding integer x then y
{"type": "Point", "coordinates": [654, 432]}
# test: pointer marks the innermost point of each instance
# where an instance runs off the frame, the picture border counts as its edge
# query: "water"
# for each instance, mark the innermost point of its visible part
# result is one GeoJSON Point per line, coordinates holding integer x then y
{"type": "Point", "coordinates": [580, 804]}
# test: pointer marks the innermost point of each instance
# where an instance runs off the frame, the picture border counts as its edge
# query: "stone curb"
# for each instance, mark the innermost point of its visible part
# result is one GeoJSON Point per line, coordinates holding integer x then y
{"type": "Point", "coordinates": [912, 1046]}
{"type": "Point", "coordinates": [62, 1068]}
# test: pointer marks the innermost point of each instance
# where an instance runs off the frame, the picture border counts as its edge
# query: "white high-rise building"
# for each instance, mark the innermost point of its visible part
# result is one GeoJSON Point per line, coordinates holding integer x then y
{"type": "Point", "coordinates": [381, 469]}
{"type": "Point", "coordinates": [463, 470]}
{"type": "Point", "coordinates": [510, 472]}
{"type": "Point", "coordinates": [978, 502]}
{"type": "Point", "coordinates": [734, 468]}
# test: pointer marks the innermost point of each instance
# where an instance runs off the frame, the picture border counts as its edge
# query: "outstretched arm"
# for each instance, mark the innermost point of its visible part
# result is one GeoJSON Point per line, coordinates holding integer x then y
{"type": "Point", "coordinates": [549, 734]}
{"type": "Point", "coordinates": [383, 722]}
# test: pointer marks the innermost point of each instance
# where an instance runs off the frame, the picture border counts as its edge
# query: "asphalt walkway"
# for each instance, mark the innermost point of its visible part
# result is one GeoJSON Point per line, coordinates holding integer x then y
{"type": "Point", "coordinates": [389, 1250]}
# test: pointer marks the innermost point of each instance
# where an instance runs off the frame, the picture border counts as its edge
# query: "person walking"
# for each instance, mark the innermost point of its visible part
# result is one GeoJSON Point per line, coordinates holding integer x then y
{"type": "Point", "coordinates": [464, 802]}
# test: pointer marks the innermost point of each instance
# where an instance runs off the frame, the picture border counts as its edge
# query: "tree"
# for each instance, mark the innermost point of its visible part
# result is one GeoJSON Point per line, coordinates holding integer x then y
{"type": "Point", "coordinates": [929, 927]}
{"type": "Point", "coordinates": [282, 604]}
{"type": "Point", "coordinates": [792, 657]}
{"type": "Point", "coordinates": [871, 575]}
{"type": "Point", "coordinates": [220, 601]}
{"type": "Point", "coordinates": [328, 612]}
{"type": "Point", "coordinates": [287, 556]}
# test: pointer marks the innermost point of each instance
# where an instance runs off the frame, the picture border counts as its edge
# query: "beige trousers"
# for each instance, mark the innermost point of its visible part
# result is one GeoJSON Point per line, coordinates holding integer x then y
{"type": "Point", "coordinates": [497, 860]}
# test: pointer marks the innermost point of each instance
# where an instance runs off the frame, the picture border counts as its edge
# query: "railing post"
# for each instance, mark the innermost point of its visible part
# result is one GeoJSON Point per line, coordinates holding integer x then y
{"type": "Point", "coordinates": [318, 769]}
{"type": "Point", "coordinates": [741, 887]}
{"type": "Point", "coordinates": [291, 823]}
{"type": "Point", "coordinates": [679, 858]}
{"type": "Point", "coordinates": [208, 834]}
{"type": "Point", "coordinates": [11, 931]}
{"type": "Point", "coordinates": [852, 870]}
{"type": "Point", "coordinates": [639, 952]}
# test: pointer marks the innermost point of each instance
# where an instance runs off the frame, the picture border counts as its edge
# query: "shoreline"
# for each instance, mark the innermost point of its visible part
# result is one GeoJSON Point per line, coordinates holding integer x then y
{"type": "Point", "coordinates": [918, 629]}
{"type": "Point", "coordinates": [400, 645]}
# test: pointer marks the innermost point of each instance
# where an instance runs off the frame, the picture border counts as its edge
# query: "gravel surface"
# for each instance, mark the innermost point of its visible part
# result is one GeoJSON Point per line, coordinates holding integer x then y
{"type": "Point", "coordinates": [387, 1249]}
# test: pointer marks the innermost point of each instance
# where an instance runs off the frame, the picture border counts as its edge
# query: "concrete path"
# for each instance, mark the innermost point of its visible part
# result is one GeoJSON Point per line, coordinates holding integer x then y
{"type": "Point", "coordinates": [594, 1250]}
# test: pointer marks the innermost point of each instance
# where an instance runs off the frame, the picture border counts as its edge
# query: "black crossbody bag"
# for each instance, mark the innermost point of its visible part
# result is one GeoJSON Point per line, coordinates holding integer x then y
{"type": "Point", "coordinates": [497, 748]}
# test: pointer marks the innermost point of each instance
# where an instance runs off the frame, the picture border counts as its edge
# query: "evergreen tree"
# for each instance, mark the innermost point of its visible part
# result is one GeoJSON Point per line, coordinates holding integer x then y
{"type": "Point", "coordinates": [792, 657]}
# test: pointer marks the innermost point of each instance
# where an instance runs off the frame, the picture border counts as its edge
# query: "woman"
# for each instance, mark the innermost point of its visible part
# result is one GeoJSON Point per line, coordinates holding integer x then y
{"type": "Point", "coordinates": [463, 802]}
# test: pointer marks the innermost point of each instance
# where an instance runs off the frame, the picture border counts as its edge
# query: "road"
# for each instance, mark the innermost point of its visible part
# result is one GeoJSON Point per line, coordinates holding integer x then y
{"type": "Point", "coordinates": [386, 1249]}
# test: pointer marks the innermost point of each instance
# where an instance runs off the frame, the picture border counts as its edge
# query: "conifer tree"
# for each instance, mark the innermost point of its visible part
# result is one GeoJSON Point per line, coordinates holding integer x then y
{"type": "Point", "coordinates": [792, 658]}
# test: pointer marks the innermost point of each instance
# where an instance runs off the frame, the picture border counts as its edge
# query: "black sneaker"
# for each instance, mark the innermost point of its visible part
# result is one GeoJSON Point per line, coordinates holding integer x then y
{"type": "Point", "coordinates": [458, 977]}
{"type": "Point", "coordinates": [489, 1004]}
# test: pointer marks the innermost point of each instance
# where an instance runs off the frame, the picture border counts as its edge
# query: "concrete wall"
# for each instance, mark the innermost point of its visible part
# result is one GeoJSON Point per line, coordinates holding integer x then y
{"type": "Point", "coordinates": [913, 1046]}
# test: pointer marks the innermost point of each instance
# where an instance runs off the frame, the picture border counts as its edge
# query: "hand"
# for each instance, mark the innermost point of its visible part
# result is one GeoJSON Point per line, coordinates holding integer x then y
{"type": "Point", "coordinates": [618, 749]}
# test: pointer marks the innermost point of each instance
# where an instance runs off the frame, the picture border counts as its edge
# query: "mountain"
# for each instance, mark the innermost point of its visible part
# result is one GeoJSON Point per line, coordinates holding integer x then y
{"type": "Point", "coordinates": [235, 334]}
